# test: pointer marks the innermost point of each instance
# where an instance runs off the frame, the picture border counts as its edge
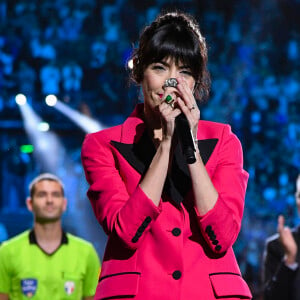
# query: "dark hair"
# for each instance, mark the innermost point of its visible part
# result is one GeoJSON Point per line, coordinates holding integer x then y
{"type": "Point", "coordinates": [42, 177]}
{"type": "Point", "coordinates": [175, 35]}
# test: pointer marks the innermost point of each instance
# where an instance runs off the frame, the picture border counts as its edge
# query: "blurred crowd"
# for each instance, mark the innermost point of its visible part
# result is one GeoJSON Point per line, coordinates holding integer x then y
{"type": "Point", "coordinates": [78, 50]}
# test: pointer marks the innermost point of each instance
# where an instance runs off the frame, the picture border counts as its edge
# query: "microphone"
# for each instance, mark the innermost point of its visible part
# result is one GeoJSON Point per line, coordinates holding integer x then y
{"type": "Point", "coordinates": [185, 138]}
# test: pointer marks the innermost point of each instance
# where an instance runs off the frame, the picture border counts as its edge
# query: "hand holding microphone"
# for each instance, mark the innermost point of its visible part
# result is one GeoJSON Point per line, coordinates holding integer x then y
{"type": "Point", "coordinates": [183, 129]}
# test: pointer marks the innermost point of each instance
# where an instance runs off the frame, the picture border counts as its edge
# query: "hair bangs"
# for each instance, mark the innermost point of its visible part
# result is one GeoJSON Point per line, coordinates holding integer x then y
{"type": "Point", "coordinates": [179, 45]}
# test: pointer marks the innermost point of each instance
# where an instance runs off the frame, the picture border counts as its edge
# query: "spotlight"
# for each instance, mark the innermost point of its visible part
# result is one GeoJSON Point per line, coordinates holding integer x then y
{"type": "Point", "coordinates": [84, 122]}
{"type": "Point", "coordinates": [51, 100]}
{"type": "Point", "coordinates": [47, 146]}
{"type": "Point", "coordinates": [20, 99]}
{"type": "Point", "coordinates": [43, 126]}
{"type": "Point", "coordinates": [130, 64]}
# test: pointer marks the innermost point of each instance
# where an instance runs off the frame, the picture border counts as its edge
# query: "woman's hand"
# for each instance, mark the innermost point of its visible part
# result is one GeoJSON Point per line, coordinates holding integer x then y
{"type": "Point", "coordinates": [187, 104]}
{"type": "Point", "coordinates": [182, 101]}
{"type": "Point", "coordinates": [168, 114]}
{"type": "Point", "coordinates": [287, 240]}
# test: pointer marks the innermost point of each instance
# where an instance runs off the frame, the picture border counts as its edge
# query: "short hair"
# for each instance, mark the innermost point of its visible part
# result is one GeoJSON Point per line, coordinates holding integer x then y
{"type": "Point", "coordinates": [175, 35]}
{"type": "Point", "coordinates": [42, 177]}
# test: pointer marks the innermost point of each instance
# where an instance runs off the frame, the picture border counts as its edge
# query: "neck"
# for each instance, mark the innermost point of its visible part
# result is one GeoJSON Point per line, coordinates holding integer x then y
{"type": "Point", "coordinates": [48, 235]}
{"type": "Point", "coordinates": [153, 125]}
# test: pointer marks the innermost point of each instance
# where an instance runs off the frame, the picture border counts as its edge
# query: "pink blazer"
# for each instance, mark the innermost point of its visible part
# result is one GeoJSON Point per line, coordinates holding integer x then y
{"type": "Point", "coordinates": [168, 252]}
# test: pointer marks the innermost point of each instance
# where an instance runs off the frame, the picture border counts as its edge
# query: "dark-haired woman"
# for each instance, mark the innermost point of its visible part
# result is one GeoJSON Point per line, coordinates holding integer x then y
{"type": "Point", "coordinates": [170, 224]}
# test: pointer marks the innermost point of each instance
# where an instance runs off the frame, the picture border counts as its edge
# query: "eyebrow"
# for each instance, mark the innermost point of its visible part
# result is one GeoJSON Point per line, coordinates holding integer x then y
{"type": "Point", "coordinates": [168, 65]}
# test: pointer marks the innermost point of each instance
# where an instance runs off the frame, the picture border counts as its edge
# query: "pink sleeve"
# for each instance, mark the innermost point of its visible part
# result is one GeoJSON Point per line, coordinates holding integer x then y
{"type": "Point", "coordinates": [127, 215]}
{"type": "Point", "coordinates": [221, 225]}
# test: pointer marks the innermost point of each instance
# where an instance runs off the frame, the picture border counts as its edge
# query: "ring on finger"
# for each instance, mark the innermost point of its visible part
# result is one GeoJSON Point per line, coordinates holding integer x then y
{"type": "Point", "coordinates": [193, 107]}
{"type": "Point", "coordinates": [170, 101]}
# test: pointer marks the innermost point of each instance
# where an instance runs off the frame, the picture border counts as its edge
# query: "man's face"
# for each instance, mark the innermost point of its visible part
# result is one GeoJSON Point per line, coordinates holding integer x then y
{"type": "Point", "coordinates": [48, 202]}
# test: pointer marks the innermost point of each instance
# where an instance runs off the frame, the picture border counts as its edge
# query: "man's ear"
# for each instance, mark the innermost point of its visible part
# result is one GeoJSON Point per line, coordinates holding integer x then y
{"type": "Point", "coordinates": [29, 203]}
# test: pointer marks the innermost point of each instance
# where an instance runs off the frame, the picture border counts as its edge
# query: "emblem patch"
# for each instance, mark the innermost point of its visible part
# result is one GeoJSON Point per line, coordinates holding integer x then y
{"type": "Point", "coordinates": [69, 287]}
{"type": "Point", "coordinates": [29, 286]}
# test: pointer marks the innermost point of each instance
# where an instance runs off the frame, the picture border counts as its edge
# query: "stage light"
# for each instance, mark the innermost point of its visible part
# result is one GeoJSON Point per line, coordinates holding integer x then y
{"type": "Point", "coordinates": [86, 123]}
{"type": "Point", "coordinates": [48, 149]}
{"type": "Point", "coordinates": [130, 64]}
{"type": "Point", "coordinates": [51, 100]}
{"type": "Point", "coordinates": [28, 148]}
{"type": "Point", "coordinates": [43, 126]}
{"type": "Point", "coordinates": [20, 99]}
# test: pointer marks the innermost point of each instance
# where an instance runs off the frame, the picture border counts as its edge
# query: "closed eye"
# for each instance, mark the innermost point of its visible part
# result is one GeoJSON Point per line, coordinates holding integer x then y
{"type": "Point", "coordinates": [158, 67]}
{"type": "Point", "coordinates": [186, 72]}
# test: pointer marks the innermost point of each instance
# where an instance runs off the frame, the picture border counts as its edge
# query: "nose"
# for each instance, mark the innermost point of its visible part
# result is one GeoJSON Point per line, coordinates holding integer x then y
{"type": "Point", "coordinates": [49, 199]}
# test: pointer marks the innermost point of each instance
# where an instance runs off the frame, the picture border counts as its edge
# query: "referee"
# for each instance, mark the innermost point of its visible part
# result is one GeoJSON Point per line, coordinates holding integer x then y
{"type": "Point", "coordinates": [46, 262]}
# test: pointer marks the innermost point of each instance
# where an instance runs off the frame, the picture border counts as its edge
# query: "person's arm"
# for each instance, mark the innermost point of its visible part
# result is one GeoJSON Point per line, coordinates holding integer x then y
{"type": "Point", "coordinates": [277, 277]}
{"type": "Point", "coordinates": [127, 209]}
{"type": "Point", "coordinates": [5, 279]}
{"type": "Point", "coordinates": [120, 207]}
{"type": "Point", "coordinates": [3, 296]}
{"type": "Point", "coordinates": [204, 191]}
{"type": "Point", "coordinates": [279, 268]}
{"type": "Point", "coordinates": [220, 195]}
{"type": "Point", "coordinates": [288, 242]}
{"type": "Point", "coordinates": [219, 191]}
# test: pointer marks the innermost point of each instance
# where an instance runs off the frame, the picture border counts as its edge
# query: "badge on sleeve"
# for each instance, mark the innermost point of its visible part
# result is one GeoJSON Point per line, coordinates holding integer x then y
{"type": "Point", "coordinates": [29, 286]}
{"type": "Point", "coordinates": [69, 287]}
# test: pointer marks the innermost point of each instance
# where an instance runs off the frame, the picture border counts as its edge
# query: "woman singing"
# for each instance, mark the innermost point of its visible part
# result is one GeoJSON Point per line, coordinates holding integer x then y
{"type": "Point", "coordinates": [171, 221]}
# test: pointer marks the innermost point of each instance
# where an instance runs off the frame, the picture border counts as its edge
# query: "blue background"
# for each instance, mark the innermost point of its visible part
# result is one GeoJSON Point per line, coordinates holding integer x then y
{"type": "Point", "coordinates": [78, 50]}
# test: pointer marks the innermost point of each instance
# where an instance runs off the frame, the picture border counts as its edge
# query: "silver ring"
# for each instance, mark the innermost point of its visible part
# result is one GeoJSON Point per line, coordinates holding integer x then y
{"type": "Point", "coordinates": [171, 82]}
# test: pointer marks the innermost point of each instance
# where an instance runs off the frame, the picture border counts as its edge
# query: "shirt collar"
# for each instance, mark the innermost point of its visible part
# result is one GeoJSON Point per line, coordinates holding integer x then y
{"type": "Point", "coordinates": [33, 240]}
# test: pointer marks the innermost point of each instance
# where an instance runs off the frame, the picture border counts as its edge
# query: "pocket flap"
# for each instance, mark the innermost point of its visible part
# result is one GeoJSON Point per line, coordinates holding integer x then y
{"type": "Point", "coordinates": [119, 284]}
{"type": "Point", "coordinates": [229, 284]}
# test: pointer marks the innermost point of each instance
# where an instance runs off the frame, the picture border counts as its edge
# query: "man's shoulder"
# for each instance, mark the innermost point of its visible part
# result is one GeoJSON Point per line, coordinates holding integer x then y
{"type": "Point", "coordinates": [78, 241]}
{"type": "Point", "coordinates": [14, 242]}
{"type": "Point", "coordinates": [19, 238]}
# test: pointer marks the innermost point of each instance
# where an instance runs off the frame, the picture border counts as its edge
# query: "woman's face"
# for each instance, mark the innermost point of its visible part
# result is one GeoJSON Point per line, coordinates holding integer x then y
{"type": "Point", "coordinates": [154, 78]}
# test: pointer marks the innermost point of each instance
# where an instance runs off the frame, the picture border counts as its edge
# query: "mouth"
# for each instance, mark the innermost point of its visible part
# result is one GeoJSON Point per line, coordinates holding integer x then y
{"type": "Point", "coordinates": [50, 209]}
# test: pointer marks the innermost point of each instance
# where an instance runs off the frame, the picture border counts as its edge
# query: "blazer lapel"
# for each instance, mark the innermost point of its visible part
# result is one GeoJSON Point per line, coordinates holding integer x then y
{"type": "Point", "coordinates": [139, 155]}
{"type": "Point", "coordinates": [137, 148]}
{"type": "Point", "coordinates": [180, 180]}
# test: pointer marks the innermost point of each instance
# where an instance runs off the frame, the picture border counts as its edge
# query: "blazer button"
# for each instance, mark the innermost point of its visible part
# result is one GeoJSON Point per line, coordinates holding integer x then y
{"type": "Point", "coordinates": [208, 229]}
{"type": "Point", "coordinates": [218, 248]}
{"type": "Point", "coordinates": [176, 231]}
{"type": "Point", "coordinates": [176, 275]}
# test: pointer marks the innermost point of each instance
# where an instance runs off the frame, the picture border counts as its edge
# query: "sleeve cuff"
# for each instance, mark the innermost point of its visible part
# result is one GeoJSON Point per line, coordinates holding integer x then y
{"type": "Point", "coordinates": [294, 266]}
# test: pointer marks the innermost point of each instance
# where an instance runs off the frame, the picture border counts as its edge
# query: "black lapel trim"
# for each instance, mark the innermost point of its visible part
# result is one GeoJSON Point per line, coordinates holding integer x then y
{"type": "Point", "coordinates": [206, 148]}
{"type": "Point", "coordinates": [139, 155]}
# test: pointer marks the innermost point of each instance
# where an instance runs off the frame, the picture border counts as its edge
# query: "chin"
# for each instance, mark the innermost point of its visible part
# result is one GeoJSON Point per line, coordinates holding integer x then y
{"type": "Point", "coordinates": [47, 219]}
